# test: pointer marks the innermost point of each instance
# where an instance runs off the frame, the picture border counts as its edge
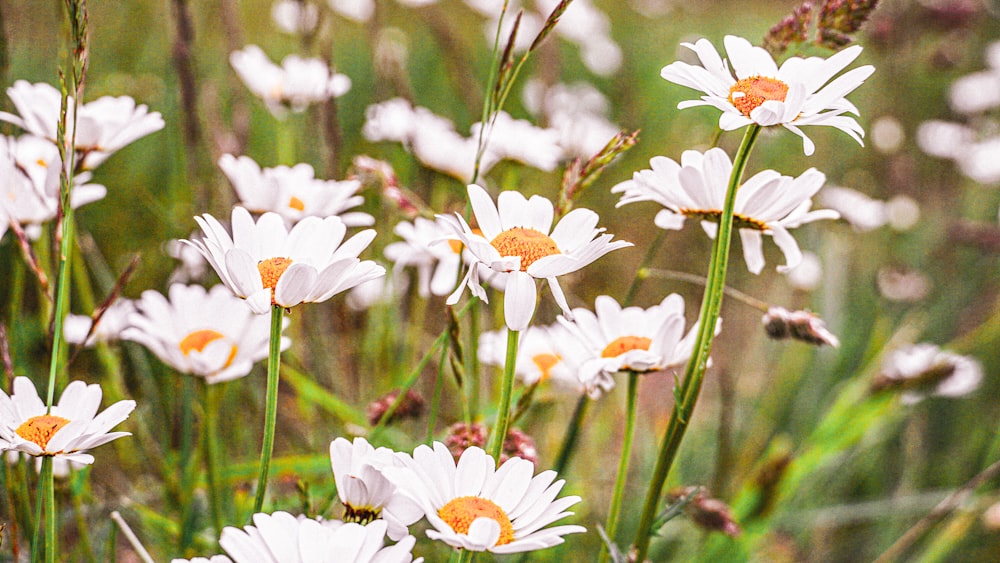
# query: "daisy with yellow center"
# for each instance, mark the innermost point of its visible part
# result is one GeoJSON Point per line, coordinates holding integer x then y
{"type": "Point", "coordinates": [268, 264]}
{"type": "Point", "coordinates": [519, 243]}
{"type": "Point", "coordinates": [66, 431]}
{"type": "Point", "coordinates": [475, 506]}
{"type": "Point", "coordinates": [633, 339]}
{"type": "Point", "coordinates": [293, 192]}
{"type": "Point", "coordinates": [437, 264]}
{"type": "Point", "coordinates": [294, 85]}
{"type": "Point", "coordinates": [544, 354]}
{"type": "Point", "coordinates": [208, 334]}
{"type": "Point", "coordinates": [799, 92]}
{"type": "Point", "coordinates": [766, 204]}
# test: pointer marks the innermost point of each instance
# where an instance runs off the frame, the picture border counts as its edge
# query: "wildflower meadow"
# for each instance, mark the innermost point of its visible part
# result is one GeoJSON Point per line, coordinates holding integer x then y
{"type": "Point", "coordinates": [499, 280]}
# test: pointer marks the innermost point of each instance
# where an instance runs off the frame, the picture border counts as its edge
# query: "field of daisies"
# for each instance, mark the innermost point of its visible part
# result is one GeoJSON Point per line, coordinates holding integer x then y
{"type": "Point", "coordinates": [499, 280]}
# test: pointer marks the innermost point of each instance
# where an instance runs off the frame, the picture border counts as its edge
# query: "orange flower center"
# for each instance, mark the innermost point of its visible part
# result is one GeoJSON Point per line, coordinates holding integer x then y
{"type": "Point", "coordinates": [623, 344]}
{"type": "Point", "coordinates": [40, 429]}
{"type": "Point", "coordinates": [460, 512]}
{"type": "Point", "coordinates": [198, 339]}
{"type": "Point", "coordinates": [748, 94]}
{"type": "Point", "coordinates": [740, 221]}
{"type": "Point", "coordinates": [529, 244]}
{"type": "Point", "coordinates": [545, 363]}
{"type": "Point", "coordinates": [271, 271]}
{"type": "Point", "coordinates": [296, 204]}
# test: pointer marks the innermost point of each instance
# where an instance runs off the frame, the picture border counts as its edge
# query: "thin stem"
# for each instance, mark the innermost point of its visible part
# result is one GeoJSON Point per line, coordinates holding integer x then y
{"type": "Point", "coordinates": [465, 556]}
{"type": "Point", "coordinates": [572, 433]}
{"type": "Point", "coordinates": [619, 491]}
{"type": "Point", "coordinates": [131, 537]}
{"type": "Point", "coordinates": [436, 400]}
{"type": "Point", "coordinates": [271, 409]}
{"type": "Point", "coordinates": [211, 406]}
{"type": "Point", "coordinates": [36, 536]}
{"type": "Point", "coordinates": [506, 391]}
{"type": "Point", "coordinates": [687, 395]}
{"type": "Point", "coordinates": [46, 482]}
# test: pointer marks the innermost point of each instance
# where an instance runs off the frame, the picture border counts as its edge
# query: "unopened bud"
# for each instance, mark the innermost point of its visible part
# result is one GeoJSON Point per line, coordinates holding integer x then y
{"type": "Point", "coordinates": [412, 406]}
{"type": "Point", "coordinates": [780, 323]}
{"type": "Point", "coordinates": [707, 513]}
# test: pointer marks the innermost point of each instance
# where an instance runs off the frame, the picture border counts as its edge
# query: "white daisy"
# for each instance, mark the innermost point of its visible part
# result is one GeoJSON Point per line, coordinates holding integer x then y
{"type": "Point", "coordinates": [283, 538]}
{"type": "Point", "coordinates": [295, 84]}
{"type": "Point", "coordinates": [109, 328]}
{"type": "Point", "coordinates": [266, 264]}
{"type": "Point", "coordinates": [922, 370]}
{"type": "Point", "coordinates": [633, 339]}
{"type": "Point", "coordinates": [294, 16]}
{"type": "Point", "coordinates": [208, 334]}
{"type": "Point", "coordinates": [546, 353]}
{"type": "Point", "coordinates": [474, 506]}
{"type": "Point", "coordinates": [798, 93]}
{"type": "Point", "coordinates": [366, 493]}
{"type": "Point", "coordinates": [766, 204]}
{"type": "Point", "coordinates": [102, 126]}
{"type": "Point", "coordinates": [66, 431]}
{"type": "Point", "coordinates": [518, 239]}
{"type": "Point", "coordinates": [437, 264]}
{"type": "Point", "coordinates": [293, 192]}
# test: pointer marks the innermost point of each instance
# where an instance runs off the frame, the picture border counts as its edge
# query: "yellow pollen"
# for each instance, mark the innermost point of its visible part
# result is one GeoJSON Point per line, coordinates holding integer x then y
{"type": "Point", "coordinates": [751, 92]}
{"type": "Point", "coordinates": [296, 204]}
{"type": "Point", "coordinates": [41, 162]}
{"type": "Point", "coordinates": [545, 363]}
{"type": "Point", "coordinates": [460, 512]}
{"type": "Point", "coordinates": [456, 246]}
{"type": "Point", "coordinates": [40, 429]}
{"type": "Point", "coordinates": [623, 344]}
{"type": "Point", "coordinates": [198, 339]}
{"type": "Point", "coordinates": [529, 244]}
{"type": "Point", "coordinates": [271, 271]}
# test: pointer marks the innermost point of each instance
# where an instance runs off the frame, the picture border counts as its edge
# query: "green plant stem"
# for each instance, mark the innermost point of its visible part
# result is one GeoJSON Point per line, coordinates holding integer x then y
{"type": "Point", "coordinates": [210, 400]}
{"type": "Point", "coordinates": [465, 556]}
{"type": "Point", "coordinates": [436, 400]}
{"type": "Point", "coordinates": [499, 433]}
{"type": "Point", "coordinates": [686, 396]}
{"type": "Point", "coordinates": [271, 408]}
{"type": "Point", "coordinates": [572, 434]}
{"type": "Point", "coordinates": [619, 491]}
{"type": "Point", "coordinates": [46, 483]}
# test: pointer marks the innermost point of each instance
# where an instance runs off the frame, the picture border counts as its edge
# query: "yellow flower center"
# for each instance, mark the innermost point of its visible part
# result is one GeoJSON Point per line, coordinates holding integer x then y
{"type": "Point", "coordinates": [748, 94]}
{"type": "Point", "coordinates": [740, 221]}
{"type": "Point", "coordinates": [456, 246]}
{"type": "Point", "coordinates": [40, 429]}
{"type": "Point", "coordinates": [271, 271]}
{"type": "Point", "coordinates": [198, 339]}
{"type": "Point", "coordinates": [460, 512]}
{"type": "Point", "coordinates": [296, 204]}
{"type": "Point", "coordinates": [545, 363]}
{"type": "Point", "coordinates": [623, 344]}
{"type": "Point", "coordinates": [529, 244]}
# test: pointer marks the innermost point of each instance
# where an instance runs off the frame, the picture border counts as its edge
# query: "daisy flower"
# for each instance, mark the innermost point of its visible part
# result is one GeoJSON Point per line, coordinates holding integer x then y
{"type": "Point", "coordinates": [66, 431]}
{"type": "Point", "coordinates": [208, 334]}
{"type": "Point", "coordinates": [437, 264]}
{"type": "Point", "coordinates": [633, 339]}
{"type": "Point", "coordinates": [756, 90]}
{"type": "Point", "coordinates": [474, 506]}
{"type": "Point", "coordinates": [103, 126]}
{"type": "Point", "coordinates": [114, 320]}
{"type": "Point", "coordinates": [295, 84]}
{"type": "Point", "coordinates": [283, 538]}
{"type": "Point", "coordinates": [518, 240]}
{"type": "Point", "coordinates": [923, 370]}
{"type": "Point", "coordinates": [544, 353]}
{"type": "Point", "coordinates": [766, 204]}
{"type": "Point", "coordinates": [366, 493]}
{"type": "Point", "coordinates": [293, 192]}
{"type": "Point", "coordinates": [267, 264]}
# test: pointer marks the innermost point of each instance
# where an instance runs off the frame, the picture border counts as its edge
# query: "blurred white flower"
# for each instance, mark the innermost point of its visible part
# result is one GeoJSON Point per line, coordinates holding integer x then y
{"type": "Point", "coordinates": [544, 354]}
{"type": "Point", "coordinates": [295, 16]}
{"type": "Point", "coordinates": [944, 139]}
{"type": "Point", "coordinates": [862, 212]}
{"type": "Point", "coordinates": [798, 93]}
{"type": "Point", "coordinates": [922, 370]}
{"type": "Point", "coordinates": [978, 92]}
{"type": "Point", "coordinates": [293, 192]}
{"type": "Point", "coordinates": [109, 328]}
{"type": "Point", "coordinates": [68, 430]}
{"type": "Point", "coordinates": [766, 204]}
{"type": "Point", "coordinates": [193, 265]}
{"type": "Point", "coordinates": [378, 291]}
{"type": "Point", "coordinates": [356, 10]}
{"type": "Point", "coordinates": [902, 284]}
{"type": "Point", "coordinates": [887, 134]}
{"type": "Point", "coordinates": [437, 264]}
{"type": "Point", "coordinates": [902, 212]}
{"type": "Point", "coordinates": [808, 274]}
{"type": "Point", "coordinates": [103, 126]}
{"type": "Point", "coordinates": [517, 139]}
{"type": "Point", "coordinates": [577, 112]}
{"type": "Point", "coordinates": [979, 161]}
{"type": "Point", "coordinates": [268, 264]}
{"type": "Point", "coordinates": [209, 334]}
{"type": "Point", "coordinates": [295, 84]}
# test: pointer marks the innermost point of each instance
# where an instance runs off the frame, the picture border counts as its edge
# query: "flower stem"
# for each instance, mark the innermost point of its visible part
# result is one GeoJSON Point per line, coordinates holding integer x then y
{"type": "Point", "coordinates": [47, 484]}
{"type": "Point", "coordinates": [619, 492]}
{"type": "Point", "coordinates": [506, 391]}
{"type": "Point", "coordinates": [686, 395]}
{"type": "Point", "coordinates": [572, 433]}
{"type": "Point", "coordinates": [271, 408]}
{"type": "Point", "coordinates": [211, 405]}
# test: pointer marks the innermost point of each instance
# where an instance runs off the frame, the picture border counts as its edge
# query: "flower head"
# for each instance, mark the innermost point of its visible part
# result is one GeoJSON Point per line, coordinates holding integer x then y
{"type": "Point", "coordinates": [208, 334]}
{"type": "Point", "coordinates": [437, 264]}
{"type": "Point", "coordinates": [68, 430]}
{"type": "Point", "coordinates": [633, 338]}
{"type": "Point", "coordinates": [766, 204]}
{"type": "Point", "coordinates": [518, 240]}
{"type": "Point", "coordinates": [756, 90]}
{"type": "Point", "coordinates": [267, 264]}
{"type": "Point", "coordinates": [102, 126]}
{"type": "Point", "coordinates": [780, 323]}
{"type": "Point", "coordinates": [922, 370]}
{"type": "Point", "coordinates": [293, 192]}
{"type": "Point", "coordinates": [114, 320]}
{"type": "Point", "coordinates": [474, 506]}
{"type": "Point", "coordinates": [544, 354]}
{"type": "Point", "coordinates": [295, 84]}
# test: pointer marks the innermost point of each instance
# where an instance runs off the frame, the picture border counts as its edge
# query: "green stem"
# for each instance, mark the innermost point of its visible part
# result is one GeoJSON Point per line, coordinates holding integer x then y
{"type": "Point", "coordinates": [687, 395]}
{"type": "Point", "coordinates": [465, 556]}
{"type": "Point", "coordinates": [271, 409]}
{"type": "Point", "coordinates": [46, 482]}
{"type": "Point", "coordinates": [209, 421]}
{"type": "Point", "coordinates": [619, 491]}
{"type": "Point", "coordinates": [436, 400]}
{"type": "Point", "coordinates": [506, 391]}
{"type": "Point", "coordinates": [572, 433]}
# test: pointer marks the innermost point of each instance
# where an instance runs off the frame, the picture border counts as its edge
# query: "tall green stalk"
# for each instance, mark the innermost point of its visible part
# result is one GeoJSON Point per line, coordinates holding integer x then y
{"type": "Point", "coordinates": [686, 396]}
{"type": "Point", "coordinates": [619, 492]}
{"type": "Point", "coordinates": [210, 400]}
{"type": "Point", "coordinates": [271, 408]}
{"type": "Point", "coordinates": [47, 485]}
{"type": "Point", "coordinates": [499, 433]}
